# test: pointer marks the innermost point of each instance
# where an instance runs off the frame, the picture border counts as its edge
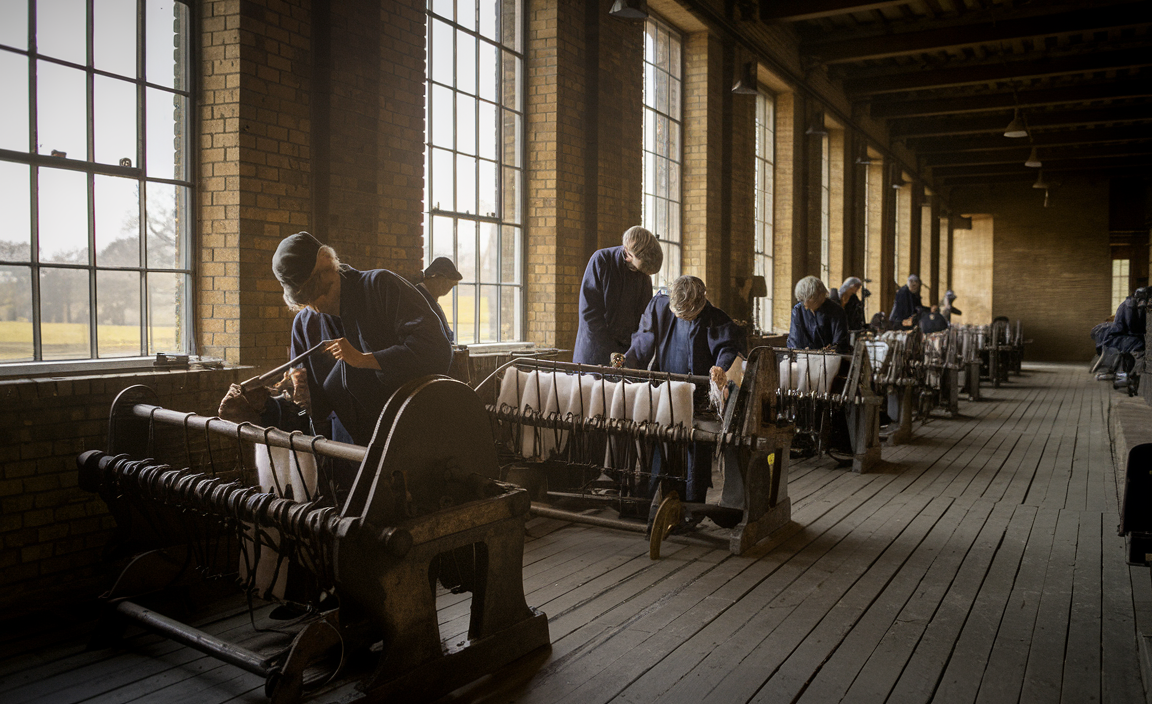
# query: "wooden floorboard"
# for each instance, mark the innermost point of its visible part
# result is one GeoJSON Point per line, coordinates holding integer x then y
{"type": "Point", "coordinates": [978, 563]}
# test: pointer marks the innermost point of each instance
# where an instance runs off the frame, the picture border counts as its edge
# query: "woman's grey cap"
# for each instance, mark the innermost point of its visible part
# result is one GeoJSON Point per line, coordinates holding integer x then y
{"type": "Point", "coordinates": [295, 258]}
{"type": "Point", "coordinates": [443, 266]}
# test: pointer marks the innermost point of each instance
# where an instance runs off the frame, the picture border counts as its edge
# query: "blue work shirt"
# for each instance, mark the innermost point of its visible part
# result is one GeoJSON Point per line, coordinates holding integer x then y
{"type": "Point", "coordinates": [1127, 331]}
{"type": "Point", "coordinates": [435, 306]}
{"type": "Point", "coordinates": [827, 326]}
{"type": "Point", "coordinates": [907, 304]}
{"type": "Point", "coordinates": [612, 300]}
{"type": "Point", "coordinates": [665, 343]}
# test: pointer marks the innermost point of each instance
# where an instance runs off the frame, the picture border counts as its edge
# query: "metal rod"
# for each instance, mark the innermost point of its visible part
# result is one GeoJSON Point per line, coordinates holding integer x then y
{"type": "Point", "coordinates": [560, 515]}
{"type": "Point", "coordinates": [253, 433]}
{"type": "Point", "coordinates": [617, 426]}
{"type": "Point", "coordinates": [610, 371]}
{"type": "Point", "coordinates": [194, 638]}
{"type": "Point", "coordinates": [272, 373]}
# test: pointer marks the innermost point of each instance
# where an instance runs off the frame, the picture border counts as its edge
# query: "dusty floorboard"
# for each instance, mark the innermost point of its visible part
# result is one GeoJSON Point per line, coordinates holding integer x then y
{"type": "Point", "coordinates": [980, 563]}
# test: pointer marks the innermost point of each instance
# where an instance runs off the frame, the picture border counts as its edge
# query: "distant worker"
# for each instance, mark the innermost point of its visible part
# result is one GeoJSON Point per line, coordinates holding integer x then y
{"type": "Point", "coordinates": [947, 309]}
{"type": "Point", "coordinates": [438, 281]}
{"type": "Point", "coordinates": [934, 321]}
{"type": "Point", "coordinates": [1125, 340]}
{"type": "Point", "coordinates": [616, 289]}
{"type": "Point", "coordinates": [852, 303]}
{"type": "Point", "coordinates": [817, 322]}
{"type": "Point", "coordinates": [907, 309]}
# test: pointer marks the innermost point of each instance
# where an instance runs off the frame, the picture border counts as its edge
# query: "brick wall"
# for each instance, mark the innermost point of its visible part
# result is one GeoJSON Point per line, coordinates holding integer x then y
{"type": "Point", "coordinates": [972, 269]}
{"type": "Point", "coordinates": [51, 532]}
{"type": "Point", "coordinates": [703, 151]}
{"type": "Point", "coordinates": [1051, 266]}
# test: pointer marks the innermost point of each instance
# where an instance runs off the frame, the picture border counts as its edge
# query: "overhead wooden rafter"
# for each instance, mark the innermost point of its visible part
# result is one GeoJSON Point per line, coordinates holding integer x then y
{"type": "Point", "coordinates": [798, 10]}
{"type": "Point", "coordinates": [1137, 111]}
{"type": "Point", "coordinates": [1141, 87]}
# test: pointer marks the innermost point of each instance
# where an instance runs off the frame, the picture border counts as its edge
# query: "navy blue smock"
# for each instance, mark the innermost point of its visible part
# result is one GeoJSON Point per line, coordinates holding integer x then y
{"type": "Point", "coordinates": [435, 306]}
{"type": "Point", "coordinates": [933, 322]}
{"type": "Point", "coordinates": [907, 305]}
{"type": "Point", "coordinates": [612, 300]}
{"type": "Point", "coordinates": [815, 331]}
{"type": "Point", "coordinates": [854, 312]}
{"type": "Point", "coordinates": [381, 314]}
{"type": "Point", "coordinates": [666, 343]}
{"type": "Point", "coordinates": [1127, 331]}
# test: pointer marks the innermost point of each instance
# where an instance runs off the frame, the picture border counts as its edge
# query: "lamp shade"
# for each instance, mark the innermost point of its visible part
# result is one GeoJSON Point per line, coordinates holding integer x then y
{"type": "Point", "coordinates": [1040, 182]}
{"type": "Point", "coordinates": [629, 9]}
{"type": "Point", "coordinates": [747, 84]}
{"type": "Point", "coordinates": [1016, 128]}
{"type": "Point", "coordinates": [1033, 160]}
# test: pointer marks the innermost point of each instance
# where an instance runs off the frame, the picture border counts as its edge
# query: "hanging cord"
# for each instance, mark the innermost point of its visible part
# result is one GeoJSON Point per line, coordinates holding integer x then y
{"type": "Point", "coordinates": [296, 460]}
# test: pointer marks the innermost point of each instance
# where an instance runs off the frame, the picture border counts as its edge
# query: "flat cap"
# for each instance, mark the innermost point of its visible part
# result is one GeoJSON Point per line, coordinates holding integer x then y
{"type": "Point", "coordinates": [295, 258]}
{"type": "Point", "coordinates": [443, 266]}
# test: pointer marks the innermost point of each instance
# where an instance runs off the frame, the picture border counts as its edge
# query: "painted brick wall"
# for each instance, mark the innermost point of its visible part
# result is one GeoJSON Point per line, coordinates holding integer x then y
{"type": "Point", "coordinates": [972, 277]}
{"type": "Point", "coordinates": [52, 532]}
{"type": "Point", "coordinates": [703, 154]}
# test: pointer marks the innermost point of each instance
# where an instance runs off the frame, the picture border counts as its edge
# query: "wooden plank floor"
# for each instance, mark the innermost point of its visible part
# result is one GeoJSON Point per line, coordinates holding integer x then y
{"type": "Point", "coordinates": [979, 564]}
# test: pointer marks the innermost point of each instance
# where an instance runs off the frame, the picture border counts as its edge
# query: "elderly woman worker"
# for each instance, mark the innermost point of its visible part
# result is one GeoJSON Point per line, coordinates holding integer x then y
{"type": "Point", "coordinates": [907, 308]}
{"type": "Point", "coordinates": [852, 303]}
{"type": "Point", "coordinates": [616, 288]}
{"type": "Point", "coordinates": [817, 322]}
{"type": "Point", "coordinates": [382, 334]}
{"type": "Point", "coordinates": [683, 333]}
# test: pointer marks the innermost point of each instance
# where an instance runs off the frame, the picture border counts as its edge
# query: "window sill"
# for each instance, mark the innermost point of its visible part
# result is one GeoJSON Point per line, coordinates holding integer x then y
{"type": "Point", "coordinates": [89, 367]}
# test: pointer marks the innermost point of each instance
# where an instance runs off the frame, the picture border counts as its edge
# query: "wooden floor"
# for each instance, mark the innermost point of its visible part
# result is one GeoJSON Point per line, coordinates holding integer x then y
{"type": "Point", "coordinates": [979, 564]}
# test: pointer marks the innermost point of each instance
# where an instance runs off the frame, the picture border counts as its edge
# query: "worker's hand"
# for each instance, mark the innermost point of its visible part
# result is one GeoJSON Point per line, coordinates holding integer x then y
{"type": "Point", "coordinates": [343, 350]}
{"type": "Point", "coordinates": [720, 379]}
{"type": "Point", "coordinates": [907, 321]}
{"type": "Point", "coordinates": [300, 395]}
{"type": "Point", "coordinates": [240, 407]}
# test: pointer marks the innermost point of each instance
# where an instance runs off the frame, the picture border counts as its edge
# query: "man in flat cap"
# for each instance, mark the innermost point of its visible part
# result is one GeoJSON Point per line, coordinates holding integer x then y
{"type": "Point", "coordinates": [616, 289]}
{"type": "Point", "coordinates": [381, 333]}
{"type": "Point", "coordinates": [437, 281]}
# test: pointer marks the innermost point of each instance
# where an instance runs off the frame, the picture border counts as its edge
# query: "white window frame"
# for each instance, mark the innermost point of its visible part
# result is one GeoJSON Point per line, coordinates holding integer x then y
{"type": "Point", "coordinates": [663, 143]}
{"type": "Point", "coordinates": [765, 215]}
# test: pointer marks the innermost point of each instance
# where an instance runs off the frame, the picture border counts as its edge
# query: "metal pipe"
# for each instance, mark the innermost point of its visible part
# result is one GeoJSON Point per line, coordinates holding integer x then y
{"type": "Point", "coordinates": [253, 433]}
{"type": "Point", "coordinates": [257, 381]}
{"type": "Point", "coordinates": [194, 638]}
{"type": "Point", "coordinates": [546, 512]}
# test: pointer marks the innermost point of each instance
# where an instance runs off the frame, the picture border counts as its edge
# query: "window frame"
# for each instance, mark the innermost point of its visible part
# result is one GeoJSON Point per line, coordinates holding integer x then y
{"type": "Point", "coordinates": [763, 245]}
{"type": "Point", "coordinates": [826, 207]}
{"type": "Point", "coordinates": [651, 200]}
{"type": "Point", "coordinates": [186, 217]}
{"type": "Point", "coordinates": [502, 218]}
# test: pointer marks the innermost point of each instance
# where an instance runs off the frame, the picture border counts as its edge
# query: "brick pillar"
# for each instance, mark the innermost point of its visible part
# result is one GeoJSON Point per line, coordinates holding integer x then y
{"type": "Point", "coordinates": [915, 227]}
{"type": "Point", "coordinates": [887, 271]}
{"type": "Point", "coordinates": [812, 162]}
{"type": "Point", "coordinates": [839, 208]}
{"type": "Point", "coordinates": [790, 248]}
{"type": "Point", "coordinates": [931, 255]}
{"type": "Point", "coordinates": [556, 252]}
{"type": "Point", "coordinates": [703, 147]}
{"type": "Point", "coordinates": [741, 230]}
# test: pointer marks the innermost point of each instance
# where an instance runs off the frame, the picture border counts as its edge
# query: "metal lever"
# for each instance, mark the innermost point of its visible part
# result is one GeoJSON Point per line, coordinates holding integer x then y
{"type": "Point", "coordinates": [258, 381]}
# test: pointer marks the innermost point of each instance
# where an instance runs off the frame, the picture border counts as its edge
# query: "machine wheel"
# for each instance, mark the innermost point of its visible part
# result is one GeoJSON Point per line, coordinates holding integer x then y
{"type": "Point", "coordinates": [668, 516]}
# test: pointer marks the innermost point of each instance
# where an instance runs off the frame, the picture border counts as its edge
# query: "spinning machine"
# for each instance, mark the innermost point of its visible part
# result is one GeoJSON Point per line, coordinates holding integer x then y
{"type": "Point", "coordinates": [425, 505]}
{"type": "Point", "coordinates": [617, 437]}
{"type": "Point", "coordinates": [973, 340]}
{"type": "Point", "coordinates": [829, 398]}
{"type": "Point", "coordinates": [896, 356]}
{"type": "Point", "coordinates": [941, 373]}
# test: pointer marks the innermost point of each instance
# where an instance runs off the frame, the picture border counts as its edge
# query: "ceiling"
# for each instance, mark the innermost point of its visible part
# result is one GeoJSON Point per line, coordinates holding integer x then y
{"type": "Point", "coordinates": [947, 76]}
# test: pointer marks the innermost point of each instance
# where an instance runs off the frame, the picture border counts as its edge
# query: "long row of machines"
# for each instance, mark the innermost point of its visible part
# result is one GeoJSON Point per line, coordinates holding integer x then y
{"type": "Point", "coordinates": [440, 496]}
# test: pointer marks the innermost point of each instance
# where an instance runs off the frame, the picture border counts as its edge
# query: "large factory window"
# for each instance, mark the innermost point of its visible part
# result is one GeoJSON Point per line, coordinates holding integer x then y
{"type": "Point", "coordinates": [765, 201]}
{"type": "Point", "coordinates": [473, 164]}
{"type": "Point", "coordinates": [94, 169]}
{"type": "Point", "coordinates": [1120, 289]}
{"type": "Point", "coordinates": [662, 137]}
{"type": "Point", "coordinates": [826, 209]}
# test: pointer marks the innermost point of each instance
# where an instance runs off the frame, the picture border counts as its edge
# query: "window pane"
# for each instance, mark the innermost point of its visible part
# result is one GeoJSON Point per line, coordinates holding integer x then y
{"type": "Point", "coordinates": [511, 196]}
{"type": "Point", "coordinates": [14, 28]}
{"type": "Point", "coordinates": [61, 29]}
{"type": "Point", "coordinates": [14, 132]}
{"type": "Point", "coordinates": [465, 184]}
{"type": "Point", "coordinates": [465, 124]}
{"type": "Point", "coordinates": [488, 68]}
{"type": "Point", "coordinates": [487, 189]}
{"type": "Point", "coordinates": [166, 205]}
{"type": "Point", "coordinates": [165, 57]}
{"type": "Point", "coordinates": [487, 136]}
{"type": "Point", "coordinates": [466, 313]}
{"type": "Point", "coordinates": [166, 304]}
{"type": "Point", "coordinates": [64, 331]}
{"type": "Point", "coordinates": [167, 112]}
{"type": "Point", "coordinates": [466, 13]}
{"type": "Point", "coordinates": [509, 313]}
{"type": "Point", "coordinates": [15, 219]}
{"type": "Point", "coordinates": [465, 62]}
{"type": "Point", "coordinates": [114, 104]}
{"type": "Point", "coordinates": [113, 49]}
{"type": "Point", "coordinates": [466, 249]}
{"type": "Point", "coordinates": [443, 179]}
{"type": "Point", "coordinates": [509, 255]}
{"type": "Point", "coordinates": [60, 110]}
{"type": "Point", "coordinates": [489, 256]}
{"type": "Point", "coordinates": [513, 139]}
{"type": "Point", "coordinates": [443, 62]}
{"type": "Point", "coordinates": [442, 7]}
{"type": "Point", "coordinates": [440, 113]}
{"type": "Point", "coordinates": [118, 313]}
{"type": "Point", "coordinates": [510, 24]}
{"type": "Point", "coordinates": [510, 80]}
{"type": "Point", "coordinates": [489, 18]}
{"type": "Point", "coordinates": [117, 203]}
{"type": "Point", "coordinates": [443, 239]}
{"type": "Point", "coordinates": [489, 313]}
{"type": "Point", "coordinates": [63, 210]}
{"type": "Point", "coordinates": [15, 314]}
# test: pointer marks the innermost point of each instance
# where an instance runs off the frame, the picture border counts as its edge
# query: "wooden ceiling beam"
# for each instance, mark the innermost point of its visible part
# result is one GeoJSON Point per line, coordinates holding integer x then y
{"type": "Point", "coordinates": [1029, 175]}
{"type": "Point", "coordinates": [1047, 154]}
{"type": "Point", "coordinates": [1049, 166]}
{"type": "Point", "coordinates": [1058, 138]}
{"type": "Point", "coordinates": [934, 78]}
{"type": "Point", "coordinates": [853, 47]}
{"type": "Point", "coordinates": [986, 102]}
{"type": "Point", "coordinates": [797, 10]}
{"type": "Point", "coordinates": [991, 124]}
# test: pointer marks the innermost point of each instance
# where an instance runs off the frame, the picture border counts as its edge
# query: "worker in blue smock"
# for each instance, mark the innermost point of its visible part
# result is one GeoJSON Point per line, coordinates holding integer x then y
{"type": "Point", "coordinates": [380, 334]}
{"type": "Point", "coordinates": [617, 287]}
{"type": "Point", "coordinates": [907, 308]}
{"type": "Point", "coordinates": [682, 333]}
{"type": "Point", "coordinates": [817, 322]}
{"type": "Point", "coordinates": [437, 281]}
